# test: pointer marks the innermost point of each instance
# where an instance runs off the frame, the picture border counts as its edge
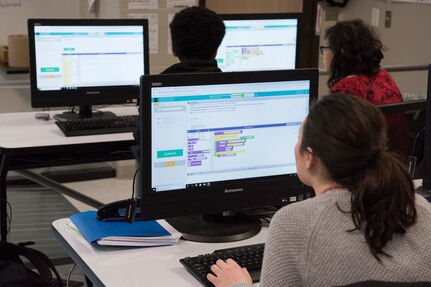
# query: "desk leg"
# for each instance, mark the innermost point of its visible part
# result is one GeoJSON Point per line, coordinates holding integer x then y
{"type": "Point", "coordinates": [4, 164]}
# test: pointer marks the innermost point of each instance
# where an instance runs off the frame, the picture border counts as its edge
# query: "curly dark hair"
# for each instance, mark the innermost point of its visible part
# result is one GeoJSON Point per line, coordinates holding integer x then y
{"type": "Point", "coordinates": [348, 134]}
{"type": "Point", "coordinates": [196, 32]}
{"type": "Point", "coordinates": [357, 50]}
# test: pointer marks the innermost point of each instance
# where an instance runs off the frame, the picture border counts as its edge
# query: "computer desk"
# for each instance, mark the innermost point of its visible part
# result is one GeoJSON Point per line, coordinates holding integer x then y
{"type": "Point", "coordinates": [26, 143]}
{"type": "Point", "coordinates": [143, 266]}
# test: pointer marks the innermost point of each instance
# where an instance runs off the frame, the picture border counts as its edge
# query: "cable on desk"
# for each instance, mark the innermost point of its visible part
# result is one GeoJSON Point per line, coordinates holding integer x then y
{"type": "Point", "coordinates": [133, 182]}
{"type": "Point", "coordinates": [69, 274]}
{"type": "Point", "coordinates": [9, 218]}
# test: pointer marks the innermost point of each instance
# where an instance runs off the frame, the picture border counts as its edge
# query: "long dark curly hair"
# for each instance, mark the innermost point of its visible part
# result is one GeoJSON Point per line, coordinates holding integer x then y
{"type": "Point", "coordinates": [357, 50]}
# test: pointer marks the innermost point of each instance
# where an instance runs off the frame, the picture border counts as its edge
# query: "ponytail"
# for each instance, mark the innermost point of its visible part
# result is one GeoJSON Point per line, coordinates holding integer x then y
{"type": "Point", "coordinates": [383, 202]}
{"type": "Point", "coordinates": [348, 134]}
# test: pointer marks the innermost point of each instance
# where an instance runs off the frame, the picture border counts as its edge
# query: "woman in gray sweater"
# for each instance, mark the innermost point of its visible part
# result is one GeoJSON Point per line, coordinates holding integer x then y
{"type": "Point", "coordinates": [365, 223]}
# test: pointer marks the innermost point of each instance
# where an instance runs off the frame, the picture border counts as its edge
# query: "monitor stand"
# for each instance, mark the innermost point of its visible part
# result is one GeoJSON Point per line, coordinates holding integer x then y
{"type": "Point", "coordinates": [215, 228]}
{"type": "Point", "coordinates": [84, 112]}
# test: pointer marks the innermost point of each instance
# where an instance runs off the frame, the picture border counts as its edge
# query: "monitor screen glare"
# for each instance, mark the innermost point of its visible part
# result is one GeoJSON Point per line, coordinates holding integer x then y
{"type": "Point", "coordinates": [71, 57]}
{"type": "Point", "coordinates": [204, 134]}
{"type": "Point", "coordinates": [259, 44]}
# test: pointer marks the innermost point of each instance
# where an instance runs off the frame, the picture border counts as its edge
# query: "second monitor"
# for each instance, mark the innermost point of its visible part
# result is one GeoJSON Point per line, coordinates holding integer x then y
{"type": "Point", "coordinates": [255, 42]}
{"type": "Point", "coordinates": [85, 62]}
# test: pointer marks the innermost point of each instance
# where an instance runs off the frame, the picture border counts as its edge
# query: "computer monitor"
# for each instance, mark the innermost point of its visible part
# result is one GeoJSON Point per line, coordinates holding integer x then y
{"type": "Point", "coordinates": [85, 62]}
{"type": "Point", "coordinates": [221, 142]}
{"type": "Point", "coordinates": [255, 42]}
{"type": "Point", "coordinates": [405, 121]}
{"type": "Point", "coordinates": [426, 182]}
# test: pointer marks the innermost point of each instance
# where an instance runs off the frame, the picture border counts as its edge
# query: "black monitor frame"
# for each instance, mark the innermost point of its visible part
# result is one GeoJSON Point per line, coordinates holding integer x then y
{"type": "Point", "coordinates": [249, 193]}
{"type": "Point", "coordinates": [406, 106]}
{"type": "Point", "coordinates": [84, 96]}
{"type": "Point", "coordinates": [426, 181]}
{"type": "Point", "coordinates": [415, 113]}
{"type": "Point", "coordinates": [272, 16]}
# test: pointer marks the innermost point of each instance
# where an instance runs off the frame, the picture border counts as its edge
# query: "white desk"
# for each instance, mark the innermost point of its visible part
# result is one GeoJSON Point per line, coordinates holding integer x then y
{"type": "Point", "coordinates": [153, 266]}
{"type": "Point", "coordinates": [29, 143]}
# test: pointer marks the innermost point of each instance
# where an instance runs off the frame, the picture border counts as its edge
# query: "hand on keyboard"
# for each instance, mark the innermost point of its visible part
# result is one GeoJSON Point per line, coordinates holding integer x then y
{"type": "Point", "coordinates": [228, 273]}
{"type": "Point", "coordinates": [249, 256]}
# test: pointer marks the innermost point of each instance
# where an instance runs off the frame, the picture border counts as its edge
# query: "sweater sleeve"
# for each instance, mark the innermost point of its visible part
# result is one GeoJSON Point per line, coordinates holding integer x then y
{"type": "Point", "coordinates": [286, 247]}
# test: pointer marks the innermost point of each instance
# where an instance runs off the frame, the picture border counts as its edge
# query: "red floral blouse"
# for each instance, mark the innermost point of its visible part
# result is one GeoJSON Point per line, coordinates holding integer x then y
{"type": "Point", "coordinates": [379, 89]}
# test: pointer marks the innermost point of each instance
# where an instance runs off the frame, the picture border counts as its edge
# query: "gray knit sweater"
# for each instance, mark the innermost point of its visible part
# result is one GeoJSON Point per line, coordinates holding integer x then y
{"type": "Point", "coordinates": [308, 245]}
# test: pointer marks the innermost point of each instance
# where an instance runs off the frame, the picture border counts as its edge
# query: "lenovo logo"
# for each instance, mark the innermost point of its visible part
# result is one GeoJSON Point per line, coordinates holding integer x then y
{"type": "Point", "coordinates": [93, 93]}
{"type": "Point", "coordinates": [156, 84]}
{"type": "Point", "coordinates": [233, 190]}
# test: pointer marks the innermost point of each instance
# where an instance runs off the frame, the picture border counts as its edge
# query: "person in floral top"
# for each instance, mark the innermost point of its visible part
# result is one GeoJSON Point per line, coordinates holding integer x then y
{"type": "Point", "coordinates": [352, 54]}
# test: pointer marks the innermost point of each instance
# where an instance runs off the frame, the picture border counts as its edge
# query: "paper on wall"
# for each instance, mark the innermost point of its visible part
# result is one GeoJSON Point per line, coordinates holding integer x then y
{"type": "Point", "coordinates": [153, 30]}
{"type": "Point", "coordinates": [180, 3]}
{"type": "Point", "coordinates": [143, 4]}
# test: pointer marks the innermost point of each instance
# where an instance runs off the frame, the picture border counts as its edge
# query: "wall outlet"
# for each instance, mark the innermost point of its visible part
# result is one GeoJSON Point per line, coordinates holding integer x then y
{"type": "Point", "coordinates": [388, 19]}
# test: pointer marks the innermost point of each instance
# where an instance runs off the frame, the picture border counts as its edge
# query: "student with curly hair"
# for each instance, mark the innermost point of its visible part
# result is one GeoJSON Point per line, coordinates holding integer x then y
{"type": "Point", "coordinates": [196, 34]}
{"type": "Point", "coordinates": [352, 54]}
{"type": "Point", "coordinates": [365, 223]}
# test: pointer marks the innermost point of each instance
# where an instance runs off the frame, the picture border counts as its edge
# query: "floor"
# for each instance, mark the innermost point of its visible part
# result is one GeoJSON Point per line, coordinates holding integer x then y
{"type": "Point", "coordinates": [35, 207]}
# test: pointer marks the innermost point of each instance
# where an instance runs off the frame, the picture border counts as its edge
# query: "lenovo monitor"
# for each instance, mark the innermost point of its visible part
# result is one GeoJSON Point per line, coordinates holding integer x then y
{"type": "Point", "coordinates": [221, 142]}
{"type": "Point", "coordinates": [85, 62]}
{"type": "Point", "coordinates": [255, 42]}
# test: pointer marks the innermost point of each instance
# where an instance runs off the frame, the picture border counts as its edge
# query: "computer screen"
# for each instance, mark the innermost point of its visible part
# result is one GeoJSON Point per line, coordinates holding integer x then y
{"type": "Point", "coordinates": [255, 42]}
{"type": "Point", "coordinates": [221, 141]}
{"type": "Point", "coordinates": [84, 62]}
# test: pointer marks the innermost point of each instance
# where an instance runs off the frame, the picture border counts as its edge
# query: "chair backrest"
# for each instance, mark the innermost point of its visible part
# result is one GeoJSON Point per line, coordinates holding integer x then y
{"type": "Point", "coordinates": [374, 283]}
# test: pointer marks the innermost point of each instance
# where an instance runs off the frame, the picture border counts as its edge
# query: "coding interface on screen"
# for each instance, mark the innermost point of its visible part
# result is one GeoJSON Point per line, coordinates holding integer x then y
{"type": "Point", "coordinates": [69, 57]}
{"type": "Point", "coordinates": [253, 45]}
{"type": "Point", "coordinates": [208, 133]}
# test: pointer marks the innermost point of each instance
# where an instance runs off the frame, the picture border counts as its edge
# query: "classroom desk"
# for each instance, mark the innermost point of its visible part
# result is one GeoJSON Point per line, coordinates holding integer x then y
{"type": "Point", "coordinates": [137, 267]}
{"type": "Point", "coordinates": [27, 143]}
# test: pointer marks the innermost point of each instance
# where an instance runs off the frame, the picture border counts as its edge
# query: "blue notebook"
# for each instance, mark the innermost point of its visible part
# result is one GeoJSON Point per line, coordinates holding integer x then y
{"type": "Point", "coordinates": [146, 233]}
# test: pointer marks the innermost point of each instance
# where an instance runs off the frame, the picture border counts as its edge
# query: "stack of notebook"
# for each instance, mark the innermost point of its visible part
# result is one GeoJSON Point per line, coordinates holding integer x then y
{"type": "Point", "coordinates": [138, 233]}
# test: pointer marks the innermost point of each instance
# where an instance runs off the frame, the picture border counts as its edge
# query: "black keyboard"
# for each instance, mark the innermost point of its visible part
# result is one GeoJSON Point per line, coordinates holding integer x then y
{"type": "Point", "coordinates": [248, 256]}
{"type": "Point", "coordinates": [96, 126]}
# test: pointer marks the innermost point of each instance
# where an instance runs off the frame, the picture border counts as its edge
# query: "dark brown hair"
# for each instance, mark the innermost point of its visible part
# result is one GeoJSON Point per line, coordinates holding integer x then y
{"type": "Point", "coordinates": [196, 32]}
{"type": "Point", "coordinates": [357, 50]}
{"type": "Point", "coordinates": [348, 134]}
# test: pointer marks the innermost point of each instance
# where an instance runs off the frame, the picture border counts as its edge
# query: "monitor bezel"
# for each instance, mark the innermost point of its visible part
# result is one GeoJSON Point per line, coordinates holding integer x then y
{"type": "Point", "coordinates": [271, 16]}
{"type": "Point", "coordinates": [426, 181]}
{"type": "Point", "coordinates": [250, 193]}
{"type": "Point", "coordinates": [83, 96]}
